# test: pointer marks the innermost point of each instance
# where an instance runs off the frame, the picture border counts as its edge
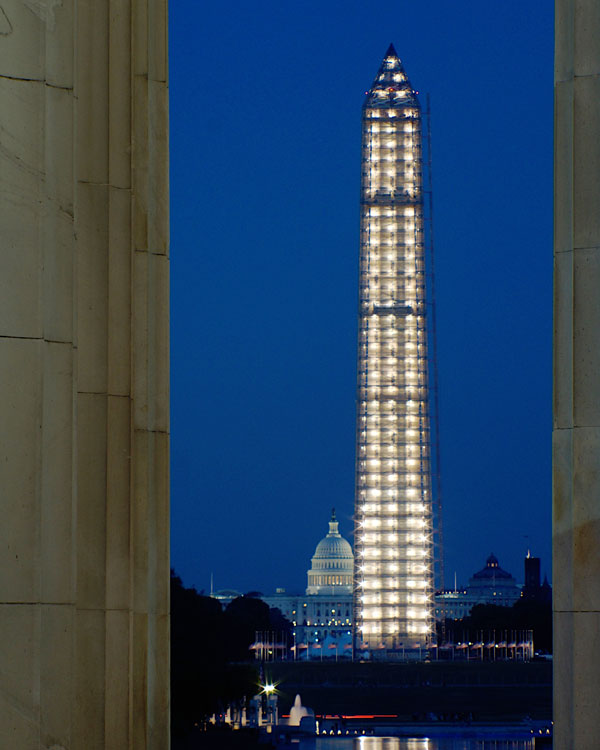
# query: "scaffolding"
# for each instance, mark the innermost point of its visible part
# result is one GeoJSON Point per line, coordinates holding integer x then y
{"type": "Point", "coordinates": [438, 525]}
{"type": "Point", "coordinates": [394, 570]}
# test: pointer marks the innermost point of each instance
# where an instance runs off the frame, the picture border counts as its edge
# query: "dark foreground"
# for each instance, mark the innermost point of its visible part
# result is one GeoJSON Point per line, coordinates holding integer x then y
{"type": "Point", "coordinates": [426, 737]}
{"type": "Point", "coordinates": [432, 695]}
{"type": "Point", "coordinates": [479, 691]}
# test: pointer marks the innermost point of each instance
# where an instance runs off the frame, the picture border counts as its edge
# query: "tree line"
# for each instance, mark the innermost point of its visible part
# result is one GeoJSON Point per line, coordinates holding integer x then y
{"type": "Point", "coordinates": [210, 652]}
{"type": "Point", "coordinates": [526, 614]}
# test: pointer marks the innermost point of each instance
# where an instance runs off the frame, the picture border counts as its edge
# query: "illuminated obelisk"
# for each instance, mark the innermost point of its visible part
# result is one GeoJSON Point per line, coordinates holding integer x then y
{"type": "Point", "coordinates": [393, 584]}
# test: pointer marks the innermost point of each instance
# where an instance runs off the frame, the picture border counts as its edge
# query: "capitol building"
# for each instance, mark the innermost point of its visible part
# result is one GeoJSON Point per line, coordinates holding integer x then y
{"type": "Point", "coordinates": [322, 618]}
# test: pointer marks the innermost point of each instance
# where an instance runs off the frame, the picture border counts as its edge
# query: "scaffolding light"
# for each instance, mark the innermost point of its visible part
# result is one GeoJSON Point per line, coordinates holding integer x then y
{"type": "Point", "coordinates": [395, 480]}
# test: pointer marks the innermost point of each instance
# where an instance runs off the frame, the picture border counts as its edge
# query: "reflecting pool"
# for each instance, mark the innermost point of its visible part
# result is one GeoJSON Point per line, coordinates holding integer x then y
{"type": "Point", "coordinates": [408, 743]}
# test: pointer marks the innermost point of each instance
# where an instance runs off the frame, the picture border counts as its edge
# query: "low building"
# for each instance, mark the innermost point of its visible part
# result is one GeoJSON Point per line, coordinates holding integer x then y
{"type": "Point", "coordinates": [452, 605]}
{"type": "Point", "coordinates": [225, 596]}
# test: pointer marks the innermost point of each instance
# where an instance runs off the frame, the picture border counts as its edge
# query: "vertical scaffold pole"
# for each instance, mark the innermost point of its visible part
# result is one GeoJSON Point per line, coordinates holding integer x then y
{"type": "Point", "coordinates": [436, 402]}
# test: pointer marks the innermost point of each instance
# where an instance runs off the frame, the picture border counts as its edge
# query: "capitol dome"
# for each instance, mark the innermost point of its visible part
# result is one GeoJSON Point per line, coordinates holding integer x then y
{"type": "Point", "coordinates": [332, 566]}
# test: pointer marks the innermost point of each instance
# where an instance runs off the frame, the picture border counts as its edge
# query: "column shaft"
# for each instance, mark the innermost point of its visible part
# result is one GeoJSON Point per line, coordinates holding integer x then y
{"type": "Point", "coordinates": [576, 439]}
{"type": "Point", "coordinates": [84, 557]}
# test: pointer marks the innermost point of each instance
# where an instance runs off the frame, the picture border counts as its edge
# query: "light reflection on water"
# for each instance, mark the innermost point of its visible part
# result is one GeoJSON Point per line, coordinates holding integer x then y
{"type": "Point", "coordinates": [407, 743]}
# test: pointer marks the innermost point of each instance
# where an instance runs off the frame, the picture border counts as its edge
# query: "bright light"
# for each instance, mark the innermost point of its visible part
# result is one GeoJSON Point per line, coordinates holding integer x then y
{"type": "Point", "coordinates": [394, 549]}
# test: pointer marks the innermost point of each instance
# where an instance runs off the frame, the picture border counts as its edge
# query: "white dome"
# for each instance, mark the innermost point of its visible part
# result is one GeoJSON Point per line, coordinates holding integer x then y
{"type": "Point", "coordinates": [332, 564]}
{"type": "Point", "coordinates": [334, 547]}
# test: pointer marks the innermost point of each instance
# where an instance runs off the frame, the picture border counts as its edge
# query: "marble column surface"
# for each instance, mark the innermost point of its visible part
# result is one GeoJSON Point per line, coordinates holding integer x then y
{"type": "Point", "coordinates": [576, 436]}
{"type": "Point", "coordinates": [84, 417]}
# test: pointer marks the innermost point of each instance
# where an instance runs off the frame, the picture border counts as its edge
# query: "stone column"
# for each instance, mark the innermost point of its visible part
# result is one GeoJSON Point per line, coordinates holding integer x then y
{"type": "Point", "coordinates": [84, 557]}
{"type": "Point", "coordinates": [576, 436]}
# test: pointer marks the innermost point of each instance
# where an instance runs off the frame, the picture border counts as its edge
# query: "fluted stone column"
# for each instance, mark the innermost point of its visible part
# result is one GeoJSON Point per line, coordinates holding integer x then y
{"type": "Point", "coordinates": [576, 576]}
{"type": "Point", "coordinates": [84, 558]}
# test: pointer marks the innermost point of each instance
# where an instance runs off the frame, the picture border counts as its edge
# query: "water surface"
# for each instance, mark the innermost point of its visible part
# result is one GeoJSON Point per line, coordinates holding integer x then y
{"type": "Point", "coordinates": [408, 743]}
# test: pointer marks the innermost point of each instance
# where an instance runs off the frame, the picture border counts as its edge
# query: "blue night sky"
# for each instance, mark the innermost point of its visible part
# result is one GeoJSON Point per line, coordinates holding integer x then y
{"type": "Point", "coordinates": [265, 165]}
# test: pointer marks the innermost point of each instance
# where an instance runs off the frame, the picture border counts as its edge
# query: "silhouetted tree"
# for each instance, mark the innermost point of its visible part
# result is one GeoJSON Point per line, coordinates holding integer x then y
{"type": "Point", "coordinates": [525, 614]}
{"type": "Point", "coordinates": [197, 655]}
{"type": "Point", "coordinates": [536, 615]}
{"type": "Point", "coordinates": [205, 643]}
{"type": "Point", "coordinates": [247, 616]}
{"type": "Point", "coordinates": [280, 624]}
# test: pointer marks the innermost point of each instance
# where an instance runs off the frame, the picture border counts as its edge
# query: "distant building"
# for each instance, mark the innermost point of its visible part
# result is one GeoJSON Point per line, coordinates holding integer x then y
{"type": "Point", "coordinates": [533, 588]}
{"type": "Point", "coordinates": [490, 585]}
{"type": "Point", "coordinates": [225, 596]}
{"type": "Point", "coordinates": [322, 618]}
{"type": "Point", "coordinates": [332, 565]}
{"type": "Point", "coordinates": [532, 572]}
{"type": "Point", "coordinates": [452, 605]}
